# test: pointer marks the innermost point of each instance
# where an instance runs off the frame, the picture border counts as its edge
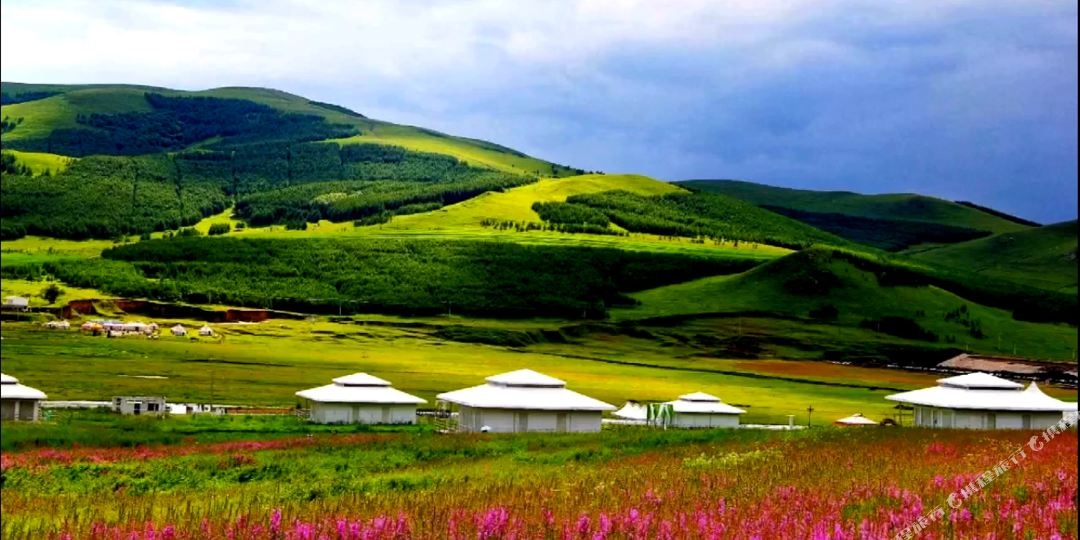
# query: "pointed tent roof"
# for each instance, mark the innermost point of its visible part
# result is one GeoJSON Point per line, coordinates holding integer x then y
{"type": "Point", "coordinates": [982, 391]}
{"type": "Point", "coordinates": [360, 388]}
{"type": "Point", "coordinates": [979, 380]}
{"type": "Point", "coordinates": [524, 389]}
{"type": "Point", "coordinates": [702, 403]}
{"type": "Point", "coordinates": [856, 419]}
{"type": "Point", "coordinates": [632, 411]}
{"type": "Point", "coordinates": [11, 389]}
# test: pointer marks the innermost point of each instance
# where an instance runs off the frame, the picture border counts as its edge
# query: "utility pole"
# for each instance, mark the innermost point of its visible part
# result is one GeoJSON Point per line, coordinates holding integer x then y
{"type": "Point", "coordinates": [809, 414]}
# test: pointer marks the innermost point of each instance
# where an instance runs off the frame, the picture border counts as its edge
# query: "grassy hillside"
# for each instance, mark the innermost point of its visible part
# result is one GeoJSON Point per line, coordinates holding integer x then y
{"type": "Point", "coordinates": [40, 162]}
{"type": "Point", "coordinates": [1044, 257]}
{"type": "Point", "coordinates": [888, 221]}
{"type": "Point", "coordinates": [516, 204]}
{"type": "Point", "coordinates": [821, 288]}
{"type": "Point", "coordinates": [63, 104]}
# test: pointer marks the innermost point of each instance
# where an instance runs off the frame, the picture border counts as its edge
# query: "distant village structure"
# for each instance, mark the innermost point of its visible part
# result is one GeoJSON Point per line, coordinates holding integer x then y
{"type": "Point", "coordinates": [701, 410]}
{"type": "Point", "coordinates": [139, 405]}
{"type": "Point", "coordinates": [983, 401]}
{"type": "Point", "coordinates": [525, 401]}
{"type": "Point", "coordinates": [855, 420]}
{"type": "Point", "coordinates": [15, 303]}
{"type": "Point", "coordinates": [17, 401]}
{"type": "Point", "coordinates": [178, 330]}
{"type": "Point", "coordinates": [360, 399]}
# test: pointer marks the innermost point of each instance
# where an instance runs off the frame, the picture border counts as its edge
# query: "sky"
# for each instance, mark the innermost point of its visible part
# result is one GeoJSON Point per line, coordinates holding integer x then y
{"type": "Point", "coordinates": [961, 99]}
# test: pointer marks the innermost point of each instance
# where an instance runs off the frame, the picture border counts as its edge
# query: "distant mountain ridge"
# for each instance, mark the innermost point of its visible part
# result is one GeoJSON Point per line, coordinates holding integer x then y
{"type": "Point", "coordinates": [888, 221]}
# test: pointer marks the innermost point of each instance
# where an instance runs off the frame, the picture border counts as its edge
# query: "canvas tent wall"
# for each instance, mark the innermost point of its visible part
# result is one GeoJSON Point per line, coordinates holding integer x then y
{"type": "Point", "coordinates": [17, 401]}
{"type": "Point", "coordinates": [525, 401]}
{"type": "Point", "coordinates": [701, 410]}
{"type": "Point", "coordinates": [360, 399]}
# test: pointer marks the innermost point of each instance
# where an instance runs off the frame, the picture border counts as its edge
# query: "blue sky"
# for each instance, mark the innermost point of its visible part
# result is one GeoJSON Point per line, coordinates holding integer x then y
{"type": "Point", "coordinates": [962, 99]}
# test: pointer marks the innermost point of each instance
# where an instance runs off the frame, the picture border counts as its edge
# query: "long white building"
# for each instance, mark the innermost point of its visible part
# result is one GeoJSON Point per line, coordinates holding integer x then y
{"type": "Point", "coordinates": [525, 401]}
{"type": "Point", "coordinates": [983, 401]}
{"type": "Point", "coordinates": [18, 401]}
{"type": "Point", "coordinates": [360, 399]}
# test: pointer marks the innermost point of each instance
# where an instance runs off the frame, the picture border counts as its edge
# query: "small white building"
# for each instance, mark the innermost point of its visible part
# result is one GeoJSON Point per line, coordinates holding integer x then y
{"type": "Point", "coordinates": [58, 325]}
{"type": "Point", "coordinates": [983, 401]}
{"type": "Point", "coordinates": [206, 331]}
{"type": "Point", "coordinates": [855, 420]}
{"type": "Point", "coordinates": [525, 401]}
{"type": "Point", "coordinates": [178, 330]}
{"type": "Point", "coordinates": [17, 401]}
{"type": "Point", "coordinates": [360, 399]}
{"type": "Point", "coordinates": [701, 410]}
{"type": "Point", "coordinates": [16, 303]}
{"type": "Point", "coordinates": [139, 405]}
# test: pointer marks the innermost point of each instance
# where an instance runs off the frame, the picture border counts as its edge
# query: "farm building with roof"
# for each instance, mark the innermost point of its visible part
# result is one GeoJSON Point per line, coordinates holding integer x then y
{"type": "Point", "coordinates": [525, 401]}
{"type": "Point", "coordinates": [18, 401]}
{"type": "Point", "coordinates": [360, 399]}
{"type": "Point", "coordinates": [983, 401]}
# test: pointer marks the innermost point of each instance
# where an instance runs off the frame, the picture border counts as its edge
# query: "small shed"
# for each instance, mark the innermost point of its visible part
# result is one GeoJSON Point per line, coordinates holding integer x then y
{"type": "Point", "coordinates": [139, 405]}
{"type": "Point", "coordinates": [855, 420]}
{"type": "Point", "coordinates": [701, 410]}
{"type": "Point", "coordinates": [525, 401]}
{"type": "Point", "coordinates": [360, 399]}
{"type": "Point", "coordinates": [17, 401]}
{"type": "Point", "coordinates": [206, 331]}
{"type": "Point", "coordinates": [983, 401]}
{"type": "Point", "coordinates": [178, 330]}
{"type": "Point", "coordinates": [58, 325]}
{"type": "Point", "coordinates": [16, 303]}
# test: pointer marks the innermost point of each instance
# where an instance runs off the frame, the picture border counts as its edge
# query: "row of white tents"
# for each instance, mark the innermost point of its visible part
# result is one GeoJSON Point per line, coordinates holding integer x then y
{"type": "Point", "coordinates": [114, 328]}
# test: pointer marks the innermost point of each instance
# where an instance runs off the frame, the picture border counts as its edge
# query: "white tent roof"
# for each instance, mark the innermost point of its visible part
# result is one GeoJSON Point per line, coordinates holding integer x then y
{"type": "Point", "coordinates": [359, 388]}
{"type": "Point", "coordinates": [983, 393]}
{"type": "Point", "coordinates": [11, 389]}
{"type": "Point", "coordinates": [856, 419]}
{"type": "Point", "coordinates": [524, 389]}
{"type": "Point", "coordinates": [979, 380]}
{"type": "Point", "coordinates": [702, 403]}
{"type": "Point", "coordinates": [632, 411]}
{"type": "Point", "coordinates": [178, 327]}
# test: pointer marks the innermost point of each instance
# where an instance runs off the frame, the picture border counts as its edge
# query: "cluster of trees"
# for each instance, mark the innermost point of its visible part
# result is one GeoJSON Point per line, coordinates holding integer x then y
{"type": "Point", "coordinates": [887, 234]}
{"type": "Point", "coordinates": [9, 165]}
{"type": "Point", "coordinates": [7, 124]}
{"type": "Point", "coordinates": [105, 197]}
{"type": "Point", "coordinates": [175, 123]}
{"type": "Point", "coordinates": [391, 276]}
{"type": "Point", "coordinates": [902, 327]}
{"type": "Point", "coordinates": [702, 214]}
{"type": "Point", "coordinates": [570, 214]}
{"type": "Point", "coordinates": [526, 226]}
{"type": "Point", "coordinates": [11, 99]}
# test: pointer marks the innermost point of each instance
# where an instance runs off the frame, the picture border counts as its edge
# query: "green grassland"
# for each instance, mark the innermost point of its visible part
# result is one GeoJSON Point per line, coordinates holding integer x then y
{"type": "Point", "coordinates": [265, 363]}
{"type": "Point", "coordinates": [1043, 257]}
{"type": "Point", "coordinates": [40, 162]}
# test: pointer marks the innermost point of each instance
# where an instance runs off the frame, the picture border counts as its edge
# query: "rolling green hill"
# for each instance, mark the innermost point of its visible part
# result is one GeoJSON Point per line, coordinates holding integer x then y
{"type": "Point", "coordinates": [822, 288]}
{"type": "Point", "coordinates": [1043, 257]}
{"type": "Point", "coordinates": [888, 221]}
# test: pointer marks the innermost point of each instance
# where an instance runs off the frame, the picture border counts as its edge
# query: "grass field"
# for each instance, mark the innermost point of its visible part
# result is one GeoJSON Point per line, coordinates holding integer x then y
{"type": "Point", "coordinates": [41, 163]}
{"type": "Point", "coordinates": [1043, 257]}
{"type": "Point", "coordinates": [264, 364]}
{"type": "Point", "coordinates": [33, 291]}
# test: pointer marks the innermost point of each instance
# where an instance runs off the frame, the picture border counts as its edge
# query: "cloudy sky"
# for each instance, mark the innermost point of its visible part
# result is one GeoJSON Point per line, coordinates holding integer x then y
{"type": "Point", "coordinates": [963, 99]}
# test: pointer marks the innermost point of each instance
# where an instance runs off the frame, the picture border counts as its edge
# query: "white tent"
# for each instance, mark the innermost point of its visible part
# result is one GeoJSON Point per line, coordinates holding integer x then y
{"type": "Point", "coordinates": [856, 419]}
{"type": "Point", "coordinates": [633, 410]}
{"type": "Point", "coordinates": [178, 330]}
{"type": "Point", "coordinates": [524, 400]}
{"type": "Point", "coordinates": [59, 325]}
{"type": "Point", "coordinates": [360, 399]}
{"type": "Point", "coordinates": [206, 331]}
{"type": "Point", "coordinates": [701, 410]}
{"type": "Point", "coordinates": [983, 401]}
{"type": "Point", "coordinates": [17, 401]}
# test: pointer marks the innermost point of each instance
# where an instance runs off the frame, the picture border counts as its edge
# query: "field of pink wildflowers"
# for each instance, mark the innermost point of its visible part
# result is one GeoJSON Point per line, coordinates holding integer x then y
{"type": "Point", "coordinates": [637, 484]}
